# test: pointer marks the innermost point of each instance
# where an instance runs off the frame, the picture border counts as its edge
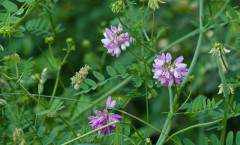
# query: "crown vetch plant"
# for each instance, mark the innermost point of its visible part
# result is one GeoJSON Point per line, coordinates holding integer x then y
{"type": "Point", "coordinates": [104, 117]}
{"type": "Point", "coordinates": [114, 39]}
{"type": "Point", "coordinates": [193, 99]}
{"type": "Point", "coordinates": [167, 72]}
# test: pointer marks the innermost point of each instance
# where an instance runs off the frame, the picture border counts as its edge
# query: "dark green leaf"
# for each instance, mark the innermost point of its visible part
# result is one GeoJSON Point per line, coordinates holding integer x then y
{"type": "Point", "coordinates": [9, 6]}
{"type": "Point", "coordinates": [84, 86]}
{"type": "Point", "coordinates": [54, 133]}
{"type": "Point", "coordinates": [121, 69]}
{"type": "Point", "coordinates": [186, 141]}
{"type": "Point", "coordinates": [111, 71]}
{"type": "Point", "coordinates": [137, 80]}
{"type": "Point", "coordinates": [238, 138]}
{"type": "Point", "coordinates": [203, 140]}
{"type": "Point", "coordinates": [233, 12]}
{"type": "Point", "coordinates": [99, 76]}
{"type": "Point", "coordinates": [1, 47]}
{"type": "Point", "coordinates": [90, 82]}
{"type": "Point", "coordinates": [41, 129]}
{"type": "Point", "coordinates": [229, 140]}
{"type": "Point", "coordinates": [214, 140]}
{"type": "Point", "coordinates": [43, 112]}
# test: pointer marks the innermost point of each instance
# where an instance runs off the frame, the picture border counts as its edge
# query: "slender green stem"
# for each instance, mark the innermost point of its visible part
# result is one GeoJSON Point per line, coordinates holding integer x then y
{"type": "Point", "coordinates": [225, 93]}
{"type": "Point", "coordinates": [227, 68]}
{"type": "Point", "coordinates": [150, 49]}
{"type": "Point", "coordinates": [167, 125]}
{"type": "Point", "coordinates": [186, 99]}
{"type": "Point", "coordinates": [145, 34]}
{"type": "Point", "coordinates": [146, 88]}
{"type": "Point", "coordinates": [140, 59]}
{"type": "Point", "coordinates": [14, 57]}
{"type": "Point", "coordinates": [117, 134]}
{"type": "Point", "coordinates": [36, 100]}
{"type": "Point", "coordinates": [170, 98]}
{"type": "Point", "coordinates": [74, 107]}
{"type": "Point", "coordinates": [57, 78]}
{"type": "Point", "coordinates": [222, 9]}
{"type": "Point", "coordinates": [31, 127]}
{"type": "Point", "coordinates": [89, 133]}
{"type": "Point", "coordinates": [193, 126]}
{"type": "Point", "coordinates": [25, 16]}
{"type": "Point", "coordinates": [196, 54]}
{"type": "Point", "coordinates": [153, 21]}
{"type": "Point", "coordinates": [68, 99]}
{"type": "Point", "coordinates": [54, 30]}
{"type": "Point", "coordinates": [51, 53]}
{"type": "Point", "coordinates": [104, 96]}
{"type": "Point", "coordinates": [168, 122]}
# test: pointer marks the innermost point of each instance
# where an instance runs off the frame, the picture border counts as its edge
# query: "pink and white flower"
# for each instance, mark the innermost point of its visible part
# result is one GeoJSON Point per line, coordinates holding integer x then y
{"type": "Point", "coordinates": [115, 39]}
{"type": "Point", "coordinates": [104, 118]}
{"type": "Point", "coordinates": [169, 73]}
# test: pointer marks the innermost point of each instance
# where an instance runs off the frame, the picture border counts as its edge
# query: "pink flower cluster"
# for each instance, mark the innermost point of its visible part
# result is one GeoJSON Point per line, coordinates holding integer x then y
{"type": "Point", "coordinates": [168, 73]}
{"type": "Point", "coordinates": [114, 39]}
{"type": "Point", "coordinates": [104, 118]}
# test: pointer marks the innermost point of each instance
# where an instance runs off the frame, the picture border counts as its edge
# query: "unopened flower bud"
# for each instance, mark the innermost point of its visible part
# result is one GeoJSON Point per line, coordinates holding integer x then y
{"type": "Point", "coordinates": [16, 57]}
{"type": "Point", "coordinates": [36, 77]}
{"type": "Point", "coordinates": [154, 4]}
{"type": "Point", "coordinates": [190, 78]}
{"type": "Point", "coordinates": [229, 88]}
{"type": "Point", "coordinates": [70, 42]}
{"type": "Point", "coordinates": [86, 43]}
{"type": "Point", "coordinates": [3, 102]}
{"type": "Point", "coordinates": [218, 49]}
{"type": "Point", "coordinates": [49, 40]}
{"type": "Point", "coordinates": [118, 6]}
{"type": "Point", "coordinates": [148, 140]}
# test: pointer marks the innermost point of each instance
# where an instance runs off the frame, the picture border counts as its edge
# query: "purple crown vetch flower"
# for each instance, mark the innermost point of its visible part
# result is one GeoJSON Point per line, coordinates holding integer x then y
{"type": "Point", "coordinates": [104, 118]}
{"type": "Point", "coordinates": [114, 39]}
{"type": "Point", "coordinates": [168, 73]}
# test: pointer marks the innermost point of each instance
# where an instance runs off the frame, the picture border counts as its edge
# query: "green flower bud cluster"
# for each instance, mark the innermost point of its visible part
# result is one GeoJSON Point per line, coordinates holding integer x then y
{"type": "Point", "coordinates": [218, 49]}
{"type": "Point", "coordinates": [154, 4]}
{"type": "Point", "coordinates": [118, 6]}
{"type": "Point", "coordinates": [7, 30]}
{"type": "Point", "coordinates": [229, 88]}
{"type": "Point", "coordinates": [70, 42]}
{"type": "Point", "coordinates": [79, 77]}
{"type": "Point", "coordinates": [49, 40]}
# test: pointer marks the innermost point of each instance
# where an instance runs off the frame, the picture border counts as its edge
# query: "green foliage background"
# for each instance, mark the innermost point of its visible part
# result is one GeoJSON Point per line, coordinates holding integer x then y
{"type": "Point", "coordinates": [85, 21]}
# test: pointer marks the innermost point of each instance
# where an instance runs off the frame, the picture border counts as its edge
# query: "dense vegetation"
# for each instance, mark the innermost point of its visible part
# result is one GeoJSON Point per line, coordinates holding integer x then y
{"type": "Point", "coordinates": [119, 72]}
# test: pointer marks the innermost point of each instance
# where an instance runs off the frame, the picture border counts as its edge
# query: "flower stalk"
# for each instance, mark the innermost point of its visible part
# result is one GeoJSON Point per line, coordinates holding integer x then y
{"type": "Point", "coordinates": [226, 99]}
{"type": "Point", "coordinates": [91, 132]}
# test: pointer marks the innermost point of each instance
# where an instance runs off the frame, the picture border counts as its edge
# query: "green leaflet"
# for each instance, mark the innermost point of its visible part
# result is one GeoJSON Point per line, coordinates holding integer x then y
{"type": "Point", "coordinates": [9, 6]}
{"type": "Point", "coordinates": [99, 76]}
{"type": "Point", "coordinates": [111, 71]}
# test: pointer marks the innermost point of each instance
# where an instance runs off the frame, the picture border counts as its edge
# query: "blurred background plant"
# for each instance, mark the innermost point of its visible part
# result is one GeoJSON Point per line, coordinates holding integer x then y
{"type": "Point", "coordinates": [65, 35]}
